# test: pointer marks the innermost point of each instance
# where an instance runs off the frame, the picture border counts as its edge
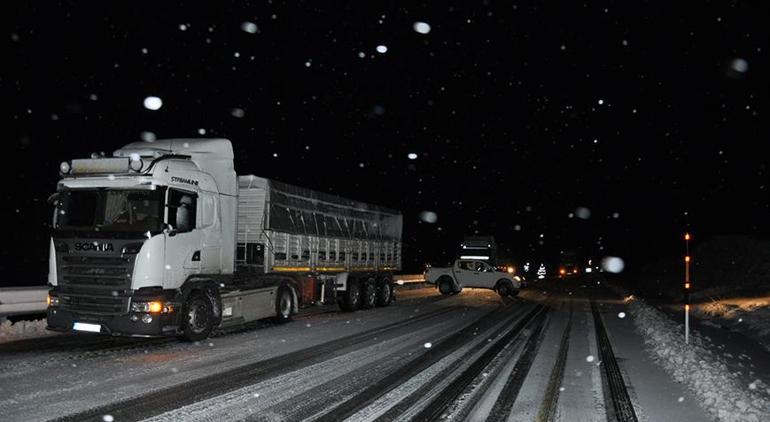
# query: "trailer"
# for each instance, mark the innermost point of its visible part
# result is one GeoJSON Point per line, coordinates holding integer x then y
{"type": "Point", "coordinates": [164, 239]}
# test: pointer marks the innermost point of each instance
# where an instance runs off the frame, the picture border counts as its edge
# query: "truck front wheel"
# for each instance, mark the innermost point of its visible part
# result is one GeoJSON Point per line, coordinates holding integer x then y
{"type": "Point", "coordinates": [351, 298]}
{"type": "Point", "coordinates": [283, 304]}
{"type": "Point", "coordinates": [199, 317]}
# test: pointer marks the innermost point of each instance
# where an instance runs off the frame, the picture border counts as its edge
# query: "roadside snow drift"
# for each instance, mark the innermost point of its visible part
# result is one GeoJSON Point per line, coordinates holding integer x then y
{"type": "Point", "coordinates": [695, 365]}
{"type": "Point", "coordinates": [22, 329]}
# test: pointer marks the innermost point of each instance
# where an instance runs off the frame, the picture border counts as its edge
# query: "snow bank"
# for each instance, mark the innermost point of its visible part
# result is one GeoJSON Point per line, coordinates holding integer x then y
{"type": "Point", "coordinates": [719, 392]}
{"type": "Point", "coordinates": [22, 329]}
{"type": "Point", "coordinates": [747, 316]}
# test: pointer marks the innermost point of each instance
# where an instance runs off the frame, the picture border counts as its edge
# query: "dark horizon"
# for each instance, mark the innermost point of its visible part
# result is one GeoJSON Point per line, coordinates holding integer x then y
{"type": "Point", "coordinates": [519, 115]}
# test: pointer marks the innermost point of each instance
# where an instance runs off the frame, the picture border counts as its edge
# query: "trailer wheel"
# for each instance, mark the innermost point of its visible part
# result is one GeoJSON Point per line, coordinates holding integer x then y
{"type": "Point", "coordinates": [445, 285]}
{"type": "Point", "coordinates": [384, 292]}
{"type": "Point", "coordinates": [351, 299]}
{"type": "Point", "coordinates": [199, 317]}
{"type": "Point", "coordinates": [283, 304]}
{"type": "Point", "coordinates": [369, 297]}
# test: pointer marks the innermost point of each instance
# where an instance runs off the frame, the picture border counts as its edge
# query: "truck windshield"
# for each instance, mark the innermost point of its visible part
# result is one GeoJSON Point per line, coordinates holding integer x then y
{"type": "Point", "coordinates": [100, 210]}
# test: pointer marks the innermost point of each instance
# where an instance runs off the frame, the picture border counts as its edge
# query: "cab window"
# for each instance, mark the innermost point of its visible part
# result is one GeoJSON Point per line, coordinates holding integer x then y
{"type": "Point", "coordinates": [182, 210]}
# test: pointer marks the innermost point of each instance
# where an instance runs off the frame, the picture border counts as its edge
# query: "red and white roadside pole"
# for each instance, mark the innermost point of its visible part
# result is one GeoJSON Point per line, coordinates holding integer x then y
{"type": "Point", "coordinates": [687, 288]}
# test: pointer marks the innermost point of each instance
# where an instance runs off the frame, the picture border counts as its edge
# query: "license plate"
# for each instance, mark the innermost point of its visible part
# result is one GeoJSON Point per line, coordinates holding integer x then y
{"type": "Point", "coordinates": [82, 326]}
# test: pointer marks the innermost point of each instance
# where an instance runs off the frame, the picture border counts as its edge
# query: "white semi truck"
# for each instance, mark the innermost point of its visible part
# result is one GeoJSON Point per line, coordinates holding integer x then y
{"type": "Point", "coordinates": [163, 239]}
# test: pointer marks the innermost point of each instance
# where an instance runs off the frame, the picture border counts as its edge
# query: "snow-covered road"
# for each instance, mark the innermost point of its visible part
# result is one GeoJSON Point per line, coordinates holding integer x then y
{"type": "Point", "coordinates": [561, 351]}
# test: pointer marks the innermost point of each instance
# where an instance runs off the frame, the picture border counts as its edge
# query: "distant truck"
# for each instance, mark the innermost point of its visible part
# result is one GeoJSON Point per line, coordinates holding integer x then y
{"type": "Point", "coordinates": [475, 274]}
{"type": "Point", "coordinates": [164, 239]}
{"type": "Point", "coordinates": [568, 266]}
{"type": "Point", "coordinates": [480, 248]}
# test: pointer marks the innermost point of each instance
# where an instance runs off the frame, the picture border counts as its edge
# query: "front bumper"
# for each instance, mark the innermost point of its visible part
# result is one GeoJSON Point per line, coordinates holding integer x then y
{"type": "Point", "coordinates": [132, 324]}
{"type": "Point", "coordinates": [121, 325]}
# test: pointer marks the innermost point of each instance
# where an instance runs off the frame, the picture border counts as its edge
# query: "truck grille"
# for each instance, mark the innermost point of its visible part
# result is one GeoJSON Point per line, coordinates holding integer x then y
{"type": "Point", "coordinates": [95, 285]}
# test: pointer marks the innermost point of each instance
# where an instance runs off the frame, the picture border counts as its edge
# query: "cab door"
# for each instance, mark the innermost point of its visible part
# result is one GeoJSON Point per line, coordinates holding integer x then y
{"type": "Point", "coordinates": [487, 275]}
{"type": "Point", "coordinates": [466, 273]}
{"type": "Point", "coordinates": [183, 241]}
{"type": "Point", "coordinates": [211, 230]}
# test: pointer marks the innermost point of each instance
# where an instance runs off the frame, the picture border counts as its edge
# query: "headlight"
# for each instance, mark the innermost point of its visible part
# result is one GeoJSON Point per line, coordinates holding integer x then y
{"type": "Point", "coordinates": [154, 307]}
{"type": "Point", "coordinates": [52, 301]}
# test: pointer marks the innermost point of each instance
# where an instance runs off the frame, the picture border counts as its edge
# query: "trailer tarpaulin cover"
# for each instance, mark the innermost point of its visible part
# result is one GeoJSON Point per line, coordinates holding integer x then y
{"type": "Point", "coordinates": [304, 211]}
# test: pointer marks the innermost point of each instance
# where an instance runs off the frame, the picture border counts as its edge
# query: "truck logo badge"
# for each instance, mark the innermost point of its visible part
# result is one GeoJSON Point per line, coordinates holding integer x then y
{"type": "Point", "coordinates": [94, 246]}
{"type": "Point", "coordinates": [176, 179]}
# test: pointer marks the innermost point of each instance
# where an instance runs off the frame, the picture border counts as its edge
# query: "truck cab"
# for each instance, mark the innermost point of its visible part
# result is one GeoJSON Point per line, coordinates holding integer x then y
{"type": "Point", "coordinates": [136, 233]}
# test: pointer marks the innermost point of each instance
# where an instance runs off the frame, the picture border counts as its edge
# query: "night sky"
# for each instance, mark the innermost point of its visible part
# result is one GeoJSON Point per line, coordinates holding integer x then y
{"type": "Point", "coordinates": [522, 116]}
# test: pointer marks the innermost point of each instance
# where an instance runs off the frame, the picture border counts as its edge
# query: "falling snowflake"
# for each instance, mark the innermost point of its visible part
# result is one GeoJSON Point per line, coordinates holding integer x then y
{"type": "Point", "coordinates": [421, 27]}
{"type": "Point", "coordinates": [412, 156]}
{"type": "Point", "coordinates": [739, 65]}
{"type": "Point", "coordinates": [621, 315]}
{"type": "Point", "coordinates": [613, 264]}
{"type": "Point", "coordinates": [583, 213]}
{"type": "Point", "coordinates": [429, 217]}
{"type": "Point", "coordinates": [428, 345]}
{"type": "Point", "coordinates": [237, 112]}
{"type": "Point", "coordinates": [108, 418]}
{"type": "Point", "coordinates": [249, 27]}
{"type": "Point", "coordinates": [147, 136]}
{"type": "Point", "coordinates": [382, 49]}
{"type": "Point", "coordinates": [589, 358]}
{"type": "Point", "coordinates": [153, 103]}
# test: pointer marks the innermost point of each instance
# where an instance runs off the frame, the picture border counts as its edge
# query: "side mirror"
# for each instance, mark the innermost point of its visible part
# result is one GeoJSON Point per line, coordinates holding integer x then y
{"type": "Point", "coordinates": [170, 230]}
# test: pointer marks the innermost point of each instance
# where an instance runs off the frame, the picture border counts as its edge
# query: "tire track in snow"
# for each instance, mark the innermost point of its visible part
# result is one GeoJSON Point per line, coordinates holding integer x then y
{"type": "Point", "coordinates": [616, 397]}
{"type": "Point", "coordinates": [393, 404]}
{"type": "Point", "coordinates": [415, 367]}
{"type": "Point", "coordinates": [441, 401]}
{"type": "Point", "coordinates": [548, 407]}
{"type": "Point", "coordinates": [262, 400]}
{"type": "Point", "coordinates": [166, 399]}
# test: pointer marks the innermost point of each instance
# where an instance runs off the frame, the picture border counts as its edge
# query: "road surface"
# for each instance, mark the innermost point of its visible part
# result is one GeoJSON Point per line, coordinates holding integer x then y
{"type": "Point", "coordinates": [560, 351]}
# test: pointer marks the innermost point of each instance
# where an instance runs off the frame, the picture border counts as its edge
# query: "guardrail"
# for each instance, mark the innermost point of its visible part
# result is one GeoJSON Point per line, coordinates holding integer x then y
{"type": "Point", "coordinates": [22, 300]}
